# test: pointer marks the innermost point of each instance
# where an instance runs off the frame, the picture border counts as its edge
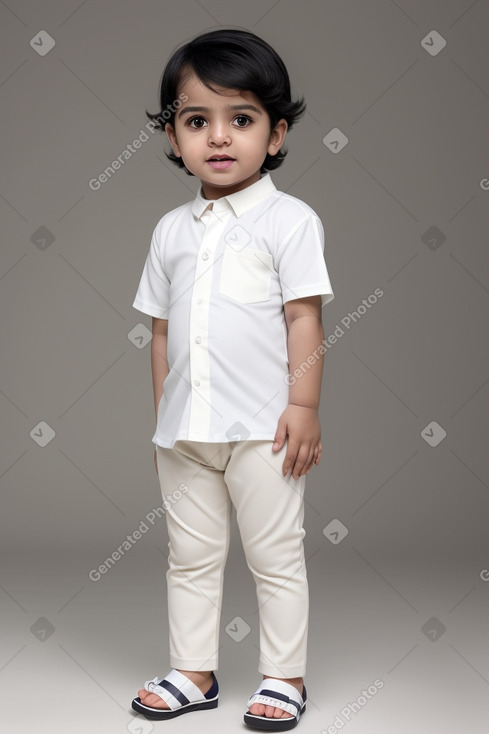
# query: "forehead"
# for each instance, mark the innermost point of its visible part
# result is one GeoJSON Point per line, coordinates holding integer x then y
{"type": "Point", "coordinates": [198, 93]}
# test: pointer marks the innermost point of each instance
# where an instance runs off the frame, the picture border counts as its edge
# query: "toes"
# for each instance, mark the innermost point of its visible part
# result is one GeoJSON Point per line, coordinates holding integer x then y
{"type": "Point", "coordinates": [280, 714]}
{"type": "Point", "coordinates": [271, 712]}
{"type": "Point", "coordinates": [151, 699]}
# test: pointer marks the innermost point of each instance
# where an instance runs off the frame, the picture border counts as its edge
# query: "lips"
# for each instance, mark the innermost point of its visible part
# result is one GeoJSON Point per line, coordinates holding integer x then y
{"type": "Point", "coordinates": [219, 162]}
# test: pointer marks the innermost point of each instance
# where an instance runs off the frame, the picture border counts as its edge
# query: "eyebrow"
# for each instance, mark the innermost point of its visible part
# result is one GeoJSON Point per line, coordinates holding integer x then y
{"type": "Point", "coordinates": [229, 107]}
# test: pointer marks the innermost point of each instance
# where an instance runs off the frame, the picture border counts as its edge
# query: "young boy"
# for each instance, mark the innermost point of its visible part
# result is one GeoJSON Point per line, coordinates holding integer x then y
{"type": "Point", "coordinates": [235, 281]}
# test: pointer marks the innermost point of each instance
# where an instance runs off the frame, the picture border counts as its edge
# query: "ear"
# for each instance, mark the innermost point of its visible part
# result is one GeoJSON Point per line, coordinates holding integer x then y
{"type": "Point", "coordinates": [171, 135]}
{"type": "Point", "coordinates": [277, 137]}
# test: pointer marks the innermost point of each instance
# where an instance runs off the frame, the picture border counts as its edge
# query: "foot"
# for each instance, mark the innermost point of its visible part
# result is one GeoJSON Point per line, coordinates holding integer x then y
{"type": "Point", "coordinates": [271, 712]}
{"type": "Point", "coordinates": [202, 679]}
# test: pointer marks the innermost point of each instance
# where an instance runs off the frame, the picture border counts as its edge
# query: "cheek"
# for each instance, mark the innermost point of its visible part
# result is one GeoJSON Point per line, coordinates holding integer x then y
{"type": "Point", "coordinates": [257, 142]}
{"type": "Point", "coordinates": [192, 139]}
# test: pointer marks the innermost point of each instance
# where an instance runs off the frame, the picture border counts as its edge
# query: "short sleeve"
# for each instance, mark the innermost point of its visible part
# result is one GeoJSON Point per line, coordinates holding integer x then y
{"type": "Point", "coordinates": [153, 294]}
{"type": "Point", "coordinates": [300, 263]}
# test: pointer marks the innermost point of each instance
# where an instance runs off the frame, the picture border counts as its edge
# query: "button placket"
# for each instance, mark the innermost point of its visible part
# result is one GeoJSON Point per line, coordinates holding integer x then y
{"type": "Point", "coordinates": [200, 405]}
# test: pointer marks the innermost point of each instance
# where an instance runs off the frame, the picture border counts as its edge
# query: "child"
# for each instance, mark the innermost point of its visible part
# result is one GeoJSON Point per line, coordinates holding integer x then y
{"type": "Point", "coordinates": [235, 281]}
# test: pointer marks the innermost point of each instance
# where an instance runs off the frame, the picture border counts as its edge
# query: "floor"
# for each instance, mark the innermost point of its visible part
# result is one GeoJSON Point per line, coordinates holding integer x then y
{"type": "Point", "coordinates": [394, 646]}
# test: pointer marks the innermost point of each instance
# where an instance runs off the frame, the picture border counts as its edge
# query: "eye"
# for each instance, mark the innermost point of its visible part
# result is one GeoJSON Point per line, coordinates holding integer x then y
{"type": "Point", "coordinates": [199, 122]}
{"type": "Point", "coordinates": [243, 120]}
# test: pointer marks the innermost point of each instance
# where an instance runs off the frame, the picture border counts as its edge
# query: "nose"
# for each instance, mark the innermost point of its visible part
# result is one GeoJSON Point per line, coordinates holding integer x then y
{"type": "Point", "coordinates": [219, 133]}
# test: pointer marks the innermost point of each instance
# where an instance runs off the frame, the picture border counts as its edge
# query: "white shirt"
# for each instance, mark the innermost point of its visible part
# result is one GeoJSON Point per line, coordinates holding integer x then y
{"type": "Point", "coordinates": [221, 276]}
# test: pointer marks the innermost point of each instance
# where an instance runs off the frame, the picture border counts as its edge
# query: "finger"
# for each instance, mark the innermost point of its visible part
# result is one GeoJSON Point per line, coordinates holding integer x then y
{"type": "Point", "coordinates": [309, 463]}
{"type": "Point", "coordinates": [300, 462]}
{"type": "Point", "coordinates": [290, 458]}
{"type": "Point", "coordinates": [280, 436]}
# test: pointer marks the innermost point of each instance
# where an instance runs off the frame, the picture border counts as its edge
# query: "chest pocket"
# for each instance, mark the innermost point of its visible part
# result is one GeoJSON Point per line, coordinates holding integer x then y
{"type": "Point", "coordinates": [246, 275]}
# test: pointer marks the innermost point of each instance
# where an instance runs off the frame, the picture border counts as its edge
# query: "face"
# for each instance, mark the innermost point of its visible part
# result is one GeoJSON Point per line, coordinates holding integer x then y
{"type": "Point", "coordinates": [223, 138]}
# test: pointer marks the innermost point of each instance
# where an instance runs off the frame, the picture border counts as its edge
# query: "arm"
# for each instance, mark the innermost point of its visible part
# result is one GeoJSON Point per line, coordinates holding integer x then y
{"type": "Point", "coordinates": [300, 420]}
{"type": "Point", "coordinates": [159, 364]}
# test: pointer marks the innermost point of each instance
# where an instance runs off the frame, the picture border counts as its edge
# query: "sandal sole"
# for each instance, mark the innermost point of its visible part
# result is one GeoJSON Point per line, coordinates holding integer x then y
{"type": "Point", "coordinates": [162, 714]}
{"type": "Point", "coordinates": [269, 724]}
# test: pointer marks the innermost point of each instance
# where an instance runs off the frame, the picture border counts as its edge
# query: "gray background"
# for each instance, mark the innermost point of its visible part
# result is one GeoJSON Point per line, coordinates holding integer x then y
{"type": "Point", "coordinates": [415, 171]}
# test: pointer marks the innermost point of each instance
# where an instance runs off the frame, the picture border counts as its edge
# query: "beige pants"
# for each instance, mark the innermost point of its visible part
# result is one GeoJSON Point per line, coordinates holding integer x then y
{"type": "Point", "coordinates": [269, 513]}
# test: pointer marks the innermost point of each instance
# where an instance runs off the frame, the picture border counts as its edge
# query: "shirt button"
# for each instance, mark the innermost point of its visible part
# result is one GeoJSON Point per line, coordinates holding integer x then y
{"type": "Point", "coordinates": [199, 301]}
{"type": "Point", "coordinates": [205, 256]}
{"type": "Point", "coordinates": [197, 383]}
{"type": "Point", "coordinates": [198, 339]}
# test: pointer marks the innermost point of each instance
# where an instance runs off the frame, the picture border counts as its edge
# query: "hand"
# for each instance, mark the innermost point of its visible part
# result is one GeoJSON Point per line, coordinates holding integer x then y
{"type": "Point", "coordinates": [156, 461]}
{"type": "Point", "coordinates": [304, 447]}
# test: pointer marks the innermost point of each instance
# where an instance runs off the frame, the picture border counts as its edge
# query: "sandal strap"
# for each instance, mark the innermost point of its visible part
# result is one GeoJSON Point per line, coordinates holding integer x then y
{"type": "Point", "coordinates": [175, 689]}
{"type": "Point", "coordinates": [278, 693]}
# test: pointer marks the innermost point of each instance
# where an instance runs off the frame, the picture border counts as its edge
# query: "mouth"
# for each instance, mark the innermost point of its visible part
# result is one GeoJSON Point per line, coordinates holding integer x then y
{"type": "Point", "coordinates": [220, 161]}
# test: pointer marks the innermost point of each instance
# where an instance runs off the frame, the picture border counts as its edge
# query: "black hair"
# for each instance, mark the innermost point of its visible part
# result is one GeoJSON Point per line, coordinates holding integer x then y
{"type": "Point", "coordinates": [234, 59]}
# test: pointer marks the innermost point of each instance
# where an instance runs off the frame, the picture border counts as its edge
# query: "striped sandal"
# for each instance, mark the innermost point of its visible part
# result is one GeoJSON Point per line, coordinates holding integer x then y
{"type": "Point", "coordinates": [180, 694]}
{"type": "Point", "coordinates": [282, 695]}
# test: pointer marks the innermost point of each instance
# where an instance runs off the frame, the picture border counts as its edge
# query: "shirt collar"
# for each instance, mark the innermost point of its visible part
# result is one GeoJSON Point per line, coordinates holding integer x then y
{"type": "Point", "coordinates": [238, 202]}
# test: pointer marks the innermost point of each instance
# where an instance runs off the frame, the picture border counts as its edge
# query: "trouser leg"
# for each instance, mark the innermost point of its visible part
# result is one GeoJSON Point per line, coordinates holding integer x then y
{"type": "Point", "coordinates": [270, 514]}
{"type": "Point", "coordinates": [198, 529]}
